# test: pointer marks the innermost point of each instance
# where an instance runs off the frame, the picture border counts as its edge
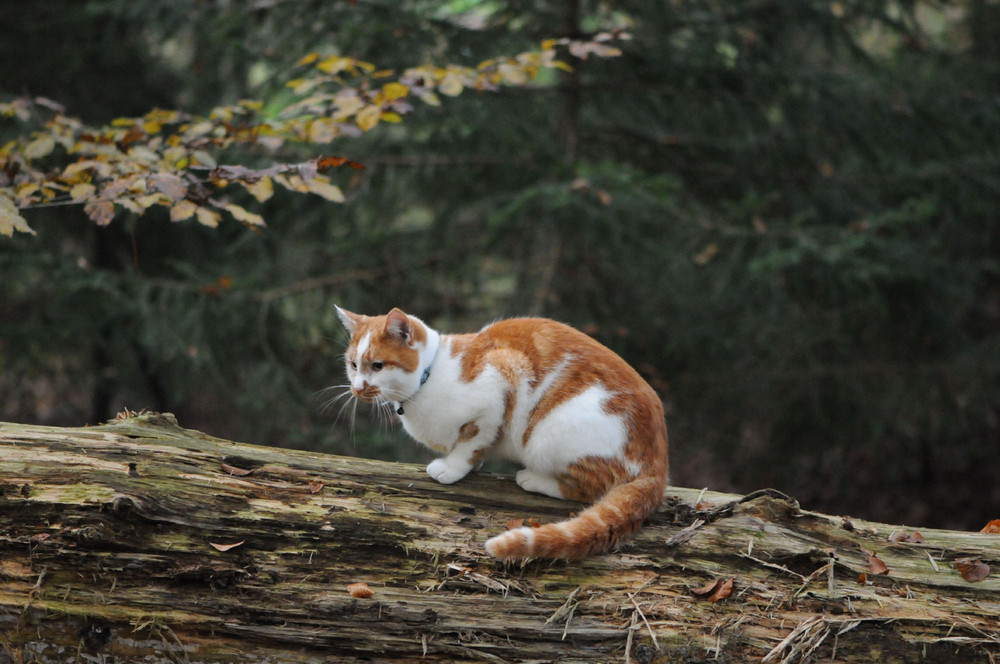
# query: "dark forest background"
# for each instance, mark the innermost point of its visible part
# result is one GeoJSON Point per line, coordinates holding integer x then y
{"type": "Point", "coordinates": [786, 215]}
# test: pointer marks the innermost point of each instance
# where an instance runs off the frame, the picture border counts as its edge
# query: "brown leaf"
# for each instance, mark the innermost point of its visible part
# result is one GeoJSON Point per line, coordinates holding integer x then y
{"type": "Point", "coordinates": [876, 565]}
{"type": "Point", "coordinates": [903, 536]}
{"type": "Point", "coordinates": [972, 569]}
{"type": "Point", "coordinates": [233, 470]}
{"type": "Point", "coordinates": [226, 547]}
{"type": "Point", "coordinates": [101, 212]}
{"type": "Point", "coordinates": [716, 590]}
{"type": "Point", "coordinates": [326, 163]}
{"type": "Point", "coordinates": [133, 135]}
{"type": "Point", "coordinates": [862, 579]}
{"type": "Point", "coordinates": [993, 527]}
{"type": "Point", "coordinates": [315, 487]}
{"type": "Point", "coordinates": [515, 523]}
{"type": "Point", "coordinates": [170, 184]}
{"type": "Point", "coordinates": [360, 590]}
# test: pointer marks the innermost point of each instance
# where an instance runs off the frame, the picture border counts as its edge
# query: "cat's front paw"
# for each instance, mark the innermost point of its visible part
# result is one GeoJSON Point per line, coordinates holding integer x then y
{"type": "Point", "coordinates": [446, 473]}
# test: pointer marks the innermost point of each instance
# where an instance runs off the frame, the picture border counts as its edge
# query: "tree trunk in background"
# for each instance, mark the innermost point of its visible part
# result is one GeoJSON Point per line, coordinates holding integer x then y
{"type": "Point", "coordinates": [140, 541]}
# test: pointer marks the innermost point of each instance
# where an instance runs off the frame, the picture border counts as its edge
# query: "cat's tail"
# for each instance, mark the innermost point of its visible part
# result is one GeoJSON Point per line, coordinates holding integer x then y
{"type": "Point", "coordinates": [599, 528]}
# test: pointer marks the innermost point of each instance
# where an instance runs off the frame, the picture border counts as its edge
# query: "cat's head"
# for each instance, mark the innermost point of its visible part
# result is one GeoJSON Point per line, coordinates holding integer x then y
{"type": "Point", "coordinates": [383, 356]}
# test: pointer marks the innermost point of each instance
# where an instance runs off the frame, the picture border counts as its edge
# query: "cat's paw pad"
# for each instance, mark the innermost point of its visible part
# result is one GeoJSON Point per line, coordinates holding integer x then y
{"type": "Point", "coordinates": [538, 483]}
{"type": "Point", "coordinates": [444, 472]}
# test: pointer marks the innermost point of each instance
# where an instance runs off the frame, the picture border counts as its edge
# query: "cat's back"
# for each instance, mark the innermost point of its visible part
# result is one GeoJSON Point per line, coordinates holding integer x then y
{"type": "Point", "coordinates": [537, 347]}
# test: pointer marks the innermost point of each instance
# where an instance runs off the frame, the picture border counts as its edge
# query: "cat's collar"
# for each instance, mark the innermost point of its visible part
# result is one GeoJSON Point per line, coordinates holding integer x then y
{"type": "Point", "coordinates": [423, 379]}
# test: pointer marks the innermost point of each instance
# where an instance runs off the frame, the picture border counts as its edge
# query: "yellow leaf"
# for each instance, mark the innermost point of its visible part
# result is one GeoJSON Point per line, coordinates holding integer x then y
{"type": "Point", "coordinates": [152, 127]}
{"type": "Point", "coordinates": [323, 130]}
{"type": "Point", "coordinates": [321, 185]}
{"type": "Point", "coordinates": [26, 194]}
{"type": "Point", "coordinates": [307, 59]}
{"type": "Point", "coordinates": [175, 155]}
{"type": "Point", "coordinates": [513, 74]}
{"type": "Point", "coordinates": [82, 192]}
{"type": "Point", "coordinates": [390, 116]}
{"type": "Point", "coordinates": [368, 117]}
{"type": "Point", "coordinates": [394, 91]}
{"type": "Point", "coordinates": [207, 217]}
{"type": "Point", "coordinates": [292, 183]}
{"type": "Point", "coordinates": [334, 64]}
{"type": "Point", "coordinates": [40, 147]}
{"type": "Point", "coordinates": [123, 122]}
{"type": "Point", "coordinates": [10, 219]}
{"type": "Point", "coordinates": [430, 98]}
{"type": "Point", "coordinates": [559, 64]}
{"type": "Point", "coordinates": [130, 205]}
{"type": "Point", "coordinates": [202, 158]}
{"type": "Point", "coordinates": [243, 215]}
{"type": "Point", "coordinates": [303, 85]}
{"type": "Point", "coordinates": [262, 189]}
{"type": "Point", "coordinates": [147, 201]}
{"type": "Point", "coordinates": [347, 105]}
{"type": "Point", "coordinates": [451, 86]}
{"type": "Point", "coordinates": [182, 210]}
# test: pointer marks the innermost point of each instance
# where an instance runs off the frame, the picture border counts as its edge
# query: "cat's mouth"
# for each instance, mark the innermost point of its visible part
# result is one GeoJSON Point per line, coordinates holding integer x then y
{"type": "Point", "coordinates": [367, 393]}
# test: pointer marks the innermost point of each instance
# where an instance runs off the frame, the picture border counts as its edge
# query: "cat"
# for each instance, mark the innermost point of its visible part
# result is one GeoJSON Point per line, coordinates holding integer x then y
{"type": "Point", "coordinates": [582, 422]}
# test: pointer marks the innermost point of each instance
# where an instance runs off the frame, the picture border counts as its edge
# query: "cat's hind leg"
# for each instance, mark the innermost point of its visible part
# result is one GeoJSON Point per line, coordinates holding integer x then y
{"type": "Point", "coordinates": [534, 482]}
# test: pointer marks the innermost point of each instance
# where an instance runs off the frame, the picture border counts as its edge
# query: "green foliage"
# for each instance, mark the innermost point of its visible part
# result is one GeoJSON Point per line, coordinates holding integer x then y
{"type": "Point", "coordinates": [784, 214]}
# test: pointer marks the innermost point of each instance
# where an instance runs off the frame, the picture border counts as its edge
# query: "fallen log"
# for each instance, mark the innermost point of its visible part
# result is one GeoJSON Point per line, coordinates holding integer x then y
{"type": "Point", "coordinates": [141, 541]}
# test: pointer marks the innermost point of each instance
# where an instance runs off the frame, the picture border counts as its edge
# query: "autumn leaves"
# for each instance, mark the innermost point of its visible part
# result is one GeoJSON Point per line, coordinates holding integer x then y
{"type": "Point", "coordinates": [169, 158]}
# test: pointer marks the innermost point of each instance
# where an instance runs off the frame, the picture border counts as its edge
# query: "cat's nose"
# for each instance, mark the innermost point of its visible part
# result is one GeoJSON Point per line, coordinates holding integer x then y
{"type": "Point", "coordinates": [366, 392]}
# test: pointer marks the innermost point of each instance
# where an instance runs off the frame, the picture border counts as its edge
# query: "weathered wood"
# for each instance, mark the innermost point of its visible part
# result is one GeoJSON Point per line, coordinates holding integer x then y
{"type": "Point", "coordinates": [106, 555]}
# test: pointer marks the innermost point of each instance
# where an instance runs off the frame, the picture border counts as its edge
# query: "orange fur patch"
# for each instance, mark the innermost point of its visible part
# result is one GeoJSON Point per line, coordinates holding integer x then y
{"type": "Point", "coordinates": [385, 346]}
{"type": "Point", "coordinates": [467, 432]}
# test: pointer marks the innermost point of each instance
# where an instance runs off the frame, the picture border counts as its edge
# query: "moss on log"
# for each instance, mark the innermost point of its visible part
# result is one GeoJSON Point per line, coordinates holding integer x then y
{"type": "Point", "coordinates": [141, 541]}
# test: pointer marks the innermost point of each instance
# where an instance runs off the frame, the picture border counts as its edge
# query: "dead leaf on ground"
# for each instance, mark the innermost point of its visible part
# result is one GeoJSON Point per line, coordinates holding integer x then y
{"type": "Point", "coordinates": [515, 523]}
{"type": "Point", "coordinates": [972, 570]}
{"type": "Point", "coordinates": [233, 470]}
{"type": "Point", "coordinates": [226, 547]}
{"type": "Point", "coordinates": [876, 565]}
{"type": "Point", "coordinates": [716, 590]}
{"type": "Point", "coordinates": [315, 487]}
{"type": "Point", "coordinates": [360, 590]}
{"type": "Point", "coordinates": [903, 536]}
{"type": "Point", "coordinates": [993, 527]}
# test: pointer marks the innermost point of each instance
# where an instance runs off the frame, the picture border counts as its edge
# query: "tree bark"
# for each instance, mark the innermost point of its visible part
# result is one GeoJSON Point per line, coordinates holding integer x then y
{"type": "Point", "coordinates": [140, 541]}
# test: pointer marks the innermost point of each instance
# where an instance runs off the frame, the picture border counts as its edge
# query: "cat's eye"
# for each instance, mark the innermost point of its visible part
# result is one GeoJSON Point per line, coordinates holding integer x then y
{"type": "Point", "coordinates": [377, 366]}
{"type": "Point", "coordinates": [354, 365]}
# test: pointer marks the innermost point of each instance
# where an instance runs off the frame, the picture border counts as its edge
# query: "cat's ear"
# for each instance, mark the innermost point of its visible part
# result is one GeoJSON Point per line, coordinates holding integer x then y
{"type": "Point", "coordinates": [397, 324]}
{"type": "Point", "coordinates": [348, 319]}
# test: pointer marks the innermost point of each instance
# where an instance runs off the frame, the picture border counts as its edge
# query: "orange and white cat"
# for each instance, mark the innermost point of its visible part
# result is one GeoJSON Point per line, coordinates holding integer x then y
{"type": "Point", "coordinates": [581, 421]}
